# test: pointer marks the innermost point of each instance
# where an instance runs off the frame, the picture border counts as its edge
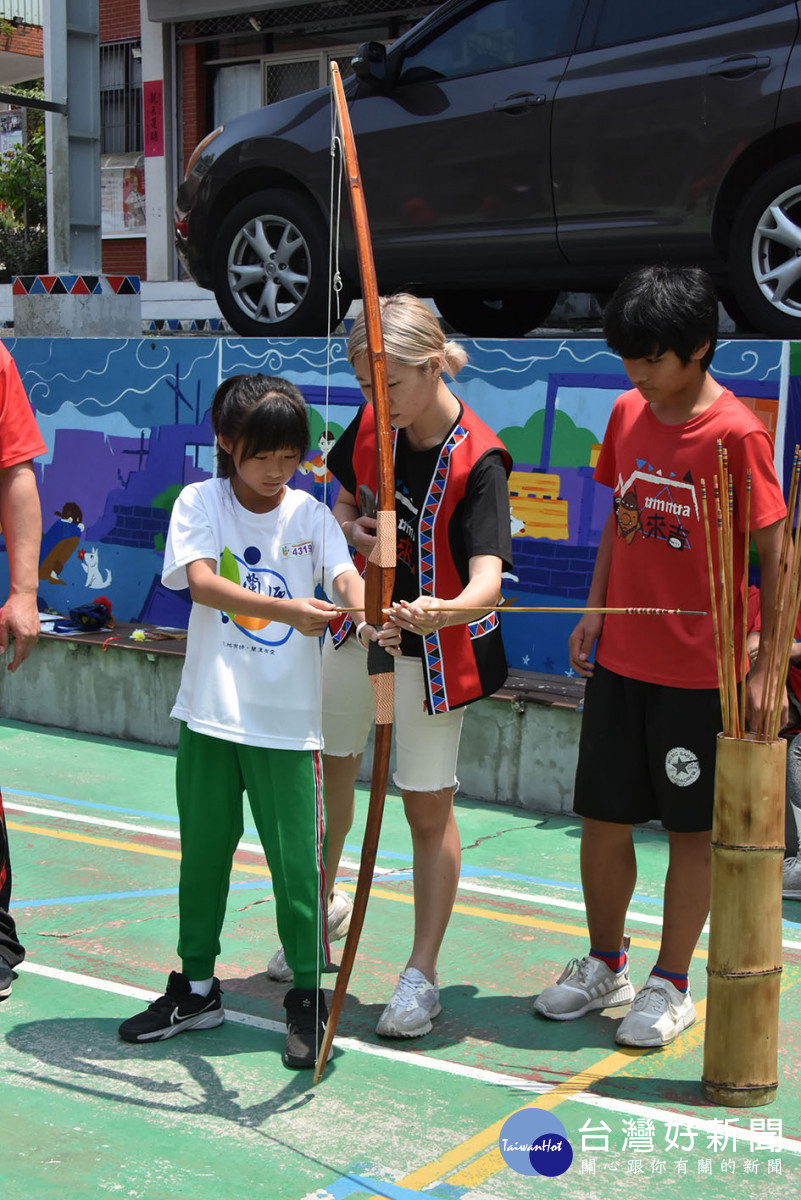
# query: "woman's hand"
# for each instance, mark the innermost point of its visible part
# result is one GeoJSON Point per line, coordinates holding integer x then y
{"type": "Point", "coordinates": [422, 616]}
{"type": "Point", "coordinates": [360, 533]}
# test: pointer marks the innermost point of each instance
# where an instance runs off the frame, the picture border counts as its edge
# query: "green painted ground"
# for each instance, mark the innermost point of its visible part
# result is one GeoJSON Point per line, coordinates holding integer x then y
{"type": "Point", "coordinates": [214, 1115]}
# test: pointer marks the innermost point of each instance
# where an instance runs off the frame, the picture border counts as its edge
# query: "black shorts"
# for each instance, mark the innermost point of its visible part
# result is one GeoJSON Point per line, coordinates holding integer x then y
{"type": "Point", "coordinates": [647, 753]}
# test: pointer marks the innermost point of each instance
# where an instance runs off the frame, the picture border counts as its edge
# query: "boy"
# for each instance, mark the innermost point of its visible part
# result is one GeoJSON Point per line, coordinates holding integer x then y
{"type": "Point", "coordinates": [652, 709]}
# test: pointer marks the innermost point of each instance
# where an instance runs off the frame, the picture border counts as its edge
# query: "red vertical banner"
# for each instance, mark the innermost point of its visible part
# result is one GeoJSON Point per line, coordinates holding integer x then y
{"type": "Point", "coordinates": [153, 104]}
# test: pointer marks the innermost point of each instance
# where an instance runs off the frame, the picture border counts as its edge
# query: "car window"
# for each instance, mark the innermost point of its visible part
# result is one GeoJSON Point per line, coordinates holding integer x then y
{"type": "Point", "coordinates": [614, 22]}
{"type": "Point", "coordinates": [501, 33]}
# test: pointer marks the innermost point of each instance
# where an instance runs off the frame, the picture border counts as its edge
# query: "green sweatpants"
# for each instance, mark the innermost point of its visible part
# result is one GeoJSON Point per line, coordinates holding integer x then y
{"type": "Point", "coordinates": [285, 791]}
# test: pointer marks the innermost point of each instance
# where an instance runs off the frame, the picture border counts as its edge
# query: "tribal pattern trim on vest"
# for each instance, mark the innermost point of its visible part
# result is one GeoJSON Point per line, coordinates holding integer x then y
{"type": "Point", "coordinates": [461, 663]}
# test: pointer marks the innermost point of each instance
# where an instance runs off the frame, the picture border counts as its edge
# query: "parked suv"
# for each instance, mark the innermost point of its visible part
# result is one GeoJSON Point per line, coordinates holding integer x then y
{"type": "Point", "coordinates": [512, 149]}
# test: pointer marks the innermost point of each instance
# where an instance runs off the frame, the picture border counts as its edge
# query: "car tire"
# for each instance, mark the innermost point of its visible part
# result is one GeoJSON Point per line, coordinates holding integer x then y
{"type": "Point", "coordinates": [765, 252]}
{"type": "Point", "coordinates": [270, 267]}
{"type": "Point", "coordinates": [506, 314]}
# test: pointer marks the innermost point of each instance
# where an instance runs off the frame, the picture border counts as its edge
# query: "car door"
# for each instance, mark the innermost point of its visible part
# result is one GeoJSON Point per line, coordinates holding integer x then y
{"type": "Point", "coordinates": [656, 104]}
{"type": "Point", "coordinates": [455, 151]}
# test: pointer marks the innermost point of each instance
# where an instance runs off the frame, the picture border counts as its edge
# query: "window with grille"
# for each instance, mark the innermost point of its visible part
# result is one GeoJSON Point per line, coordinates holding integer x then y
{"type": "Point", "coordinates": [121, 98]}
{"type": "Point", "coordinates": [240, 87]}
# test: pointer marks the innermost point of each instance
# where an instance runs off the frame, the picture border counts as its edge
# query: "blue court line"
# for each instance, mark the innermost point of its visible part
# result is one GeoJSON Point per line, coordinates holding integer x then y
{"type": "Point", "coordinates": [256, 885]}
{"type": "Point", "coordinates": [259, 885]}
{"type": "Point", "coordinates": [475, 872]}
{"type": "Point", "coordinates": [467, 872]}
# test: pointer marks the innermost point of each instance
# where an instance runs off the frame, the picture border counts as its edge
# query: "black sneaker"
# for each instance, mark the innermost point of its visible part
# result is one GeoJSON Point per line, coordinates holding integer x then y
{"type": "Point", "coordinates": [177, 1010]}
{"type": "Point", "coordinates": [306, 1017]}
{"type": "Point", "coordinates": [7, 977]}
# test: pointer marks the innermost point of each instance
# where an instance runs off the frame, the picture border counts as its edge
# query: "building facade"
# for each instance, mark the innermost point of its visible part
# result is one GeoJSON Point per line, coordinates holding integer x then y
{"type": "Point", "coordinates": [172, 70]}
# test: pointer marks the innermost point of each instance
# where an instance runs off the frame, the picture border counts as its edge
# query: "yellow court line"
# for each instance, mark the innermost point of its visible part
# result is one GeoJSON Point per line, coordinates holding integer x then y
{"type": "Point", "coordinates": [488, 914]}
{"type": "Point", "coordinates": [134, 847]}
{"type": "Point", "coordinates": [468, 910]}
{"type": "Point", "coordinates": [492, 1162]}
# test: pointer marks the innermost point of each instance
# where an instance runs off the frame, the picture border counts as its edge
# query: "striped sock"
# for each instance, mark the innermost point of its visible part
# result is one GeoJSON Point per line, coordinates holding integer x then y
{"type": "Point", "coordinates": [680, 982]}
{"type": "Point", "coordinates": [615, 960]}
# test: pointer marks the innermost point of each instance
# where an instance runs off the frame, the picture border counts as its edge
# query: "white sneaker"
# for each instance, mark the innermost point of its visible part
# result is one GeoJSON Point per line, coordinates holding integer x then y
{"type": "Point", "coordinates": [340, 908]}
{"type": "Point", "coordinates": [339, 913]}
{"type": "Point", "coordinates": [659, 1013]}
{"type": "Point", "coordinates": [791, 879]}
{"type": "Point", "coordinates": [414, 1002]}
{"type": "Point", "coordinates": [585, 984]}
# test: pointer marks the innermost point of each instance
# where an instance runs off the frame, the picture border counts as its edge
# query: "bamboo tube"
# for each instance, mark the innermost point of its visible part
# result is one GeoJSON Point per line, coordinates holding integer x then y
{"type": "Point", "coordinates": [745, 949]}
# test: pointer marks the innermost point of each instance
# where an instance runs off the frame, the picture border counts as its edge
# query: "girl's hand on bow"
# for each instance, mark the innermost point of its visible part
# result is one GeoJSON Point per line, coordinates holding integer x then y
{"type": "Point", "coordinates": [387, 635]}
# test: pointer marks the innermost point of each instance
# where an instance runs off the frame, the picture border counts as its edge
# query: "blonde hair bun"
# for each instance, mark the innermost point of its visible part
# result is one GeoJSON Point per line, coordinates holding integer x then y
{"type": "Point", "coordinates": [412, 335]}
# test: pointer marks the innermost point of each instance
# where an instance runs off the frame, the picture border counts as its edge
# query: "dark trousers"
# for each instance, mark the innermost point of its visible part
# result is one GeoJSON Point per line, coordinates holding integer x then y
{"type": "Point", "coordinates": [10, 948]}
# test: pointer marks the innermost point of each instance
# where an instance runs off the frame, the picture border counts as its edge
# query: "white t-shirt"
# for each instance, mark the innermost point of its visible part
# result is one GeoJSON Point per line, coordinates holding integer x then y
{"type": "Point", "coordinates": [245, 679]}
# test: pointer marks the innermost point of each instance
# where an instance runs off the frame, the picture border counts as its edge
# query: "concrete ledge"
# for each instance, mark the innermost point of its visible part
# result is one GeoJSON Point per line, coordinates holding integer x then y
{"type": "Point", "coordinates": [518, 748]}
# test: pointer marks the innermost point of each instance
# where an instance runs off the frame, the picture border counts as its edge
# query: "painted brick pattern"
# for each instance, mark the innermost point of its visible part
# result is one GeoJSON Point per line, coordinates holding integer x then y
{"type": "Point", "coordinates": [543, 566]}
{"type": "Point", "coordinates": [135, 525]}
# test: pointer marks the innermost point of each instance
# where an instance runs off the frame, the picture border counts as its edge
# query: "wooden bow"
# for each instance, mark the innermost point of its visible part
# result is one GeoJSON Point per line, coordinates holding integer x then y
{"type": "Point", "coordinates": [380, 572]}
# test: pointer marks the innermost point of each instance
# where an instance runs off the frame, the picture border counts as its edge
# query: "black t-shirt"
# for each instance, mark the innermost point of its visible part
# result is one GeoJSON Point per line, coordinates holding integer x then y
{"type": "Point", "coordinates": [480, 522]}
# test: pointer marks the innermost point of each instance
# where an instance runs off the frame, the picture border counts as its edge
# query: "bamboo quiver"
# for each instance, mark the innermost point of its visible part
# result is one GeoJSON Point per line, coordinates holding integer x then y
{"type": "Point", "coordinates": [745, 930]}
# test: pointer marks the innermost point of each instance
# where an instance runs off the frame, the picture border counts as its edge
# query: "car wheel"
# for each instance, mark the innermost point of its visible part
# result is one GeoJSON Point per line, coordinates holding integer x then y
{"type": "Point", "coordinates": [506, 314]}
{"type": "Point", "coordinates": [765, 252]}
{"type": "Point", "coordinates": [270, 269]}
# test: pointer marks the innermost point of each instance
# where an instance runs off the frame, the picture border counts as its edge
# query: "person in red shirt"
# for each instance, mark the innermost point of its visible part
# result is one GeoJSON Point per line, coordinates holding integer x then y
{"type": "Point", "coordinates": [652, 708]}
{"type": "Point", "coordinates": [21, 522]}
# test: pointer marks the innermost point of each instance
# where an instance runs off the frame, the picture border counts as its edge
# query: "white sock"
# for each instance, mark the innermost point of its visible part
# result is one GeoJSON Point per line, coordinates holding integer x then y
{"type": "Point", "coordinates": [201, 987]}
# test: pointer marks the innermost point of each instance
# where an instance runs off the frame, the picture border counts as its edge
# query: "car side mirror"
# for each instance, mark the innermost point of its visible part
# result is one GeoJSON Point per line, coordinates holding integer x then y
{"type": "Point", "coordinates": [370, 63]}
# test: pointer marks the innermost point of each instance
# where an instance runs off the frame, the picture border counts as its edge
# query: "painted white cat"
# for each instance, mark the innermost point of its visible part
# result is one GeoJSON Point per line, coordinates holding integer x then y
{"type": "Point", "coordinates": [89, 562]}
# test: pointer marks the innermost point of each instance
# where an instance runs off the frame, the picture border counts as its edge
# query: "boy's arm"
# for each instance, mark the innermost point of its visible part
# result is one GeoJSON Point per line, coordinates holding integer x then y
{"type": "Point", "coordinates": [306, 614]}
{"type": "Point", "coordinates": [588, 630]}
{"type": "Point", "coordinates": [21, 521]}
{"type": "Point", "coordinates": [768, 542]}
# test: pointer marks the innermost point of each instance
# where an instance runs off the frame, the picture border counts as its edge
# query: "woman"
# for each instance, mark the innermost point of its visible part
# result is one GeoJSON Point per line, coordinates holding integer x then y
{"type": "Point", "coordinates": [451, 471]}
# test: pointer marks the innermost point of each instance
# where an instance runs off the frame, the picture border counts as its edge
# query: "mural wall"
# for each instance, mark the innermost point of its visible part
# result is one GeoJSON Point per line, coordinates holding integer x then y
{"type": "Point", "coordinates": [127, 426]}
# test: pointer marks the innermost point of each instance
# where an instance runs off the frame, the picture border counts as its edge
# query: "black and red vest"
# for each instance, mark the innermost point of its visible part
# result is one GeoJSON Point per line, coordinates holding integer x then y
{"type": "Point", "coordinates": [460, 662]}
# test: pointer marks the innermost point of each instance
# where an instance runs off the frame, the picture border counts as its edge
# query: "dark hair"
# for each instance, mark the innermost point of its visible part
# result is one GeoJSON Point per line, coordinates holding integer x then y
{"type": "Point", "coordinates": [258, 414]}
{"type": "Point", "coordinates": [663, 308]}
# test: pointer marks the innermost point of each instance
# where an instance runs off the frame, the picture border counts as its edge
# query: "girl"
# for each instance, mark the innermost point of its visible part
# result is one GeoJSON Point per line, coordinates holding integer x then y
{"type": "Point", "coordinates": [451, 469]}
{"type": "Point", "coordinates": [252, 551]}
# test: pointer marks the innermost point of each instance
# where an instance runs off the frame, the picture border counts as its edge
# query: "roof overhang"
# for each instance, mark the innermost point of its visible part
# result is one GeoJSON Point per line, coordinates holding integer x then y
{"type": "Point", "coordinates": [19, 68]}
{"type": "Point", "coordinates": [173, 11]}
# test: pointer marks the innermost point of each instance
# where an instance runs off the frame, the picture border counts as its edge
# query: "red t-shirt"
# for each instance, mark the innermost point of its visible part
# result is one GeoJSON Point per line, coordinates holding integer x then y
{"type": "Point", "coordinates": [20, 439]}
{"type": "Point", "coordinates": [659, 554]}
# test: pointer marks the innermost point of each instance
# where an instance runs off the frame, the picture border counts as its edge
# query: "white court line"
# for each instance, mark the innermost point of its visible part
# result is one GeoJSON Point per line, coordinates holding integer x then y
{"type": "Point", "coordinates": [419, 1060]}
{"type": "Point", "coordinates": [480, 889]}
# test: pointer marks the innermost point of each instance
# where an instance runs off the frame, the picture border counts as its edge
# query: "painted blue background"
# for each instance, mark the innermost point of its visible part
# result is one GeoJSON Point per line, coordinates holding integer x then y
{"type": "Point", "coordinates": [127, 425]}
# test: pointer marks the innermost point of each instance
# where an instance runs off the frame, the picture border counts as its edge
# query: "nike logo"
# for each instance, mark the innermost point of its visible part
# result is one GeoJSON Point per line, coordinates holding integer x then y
{"type": "Point", "coordinates": [176, 1017]}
